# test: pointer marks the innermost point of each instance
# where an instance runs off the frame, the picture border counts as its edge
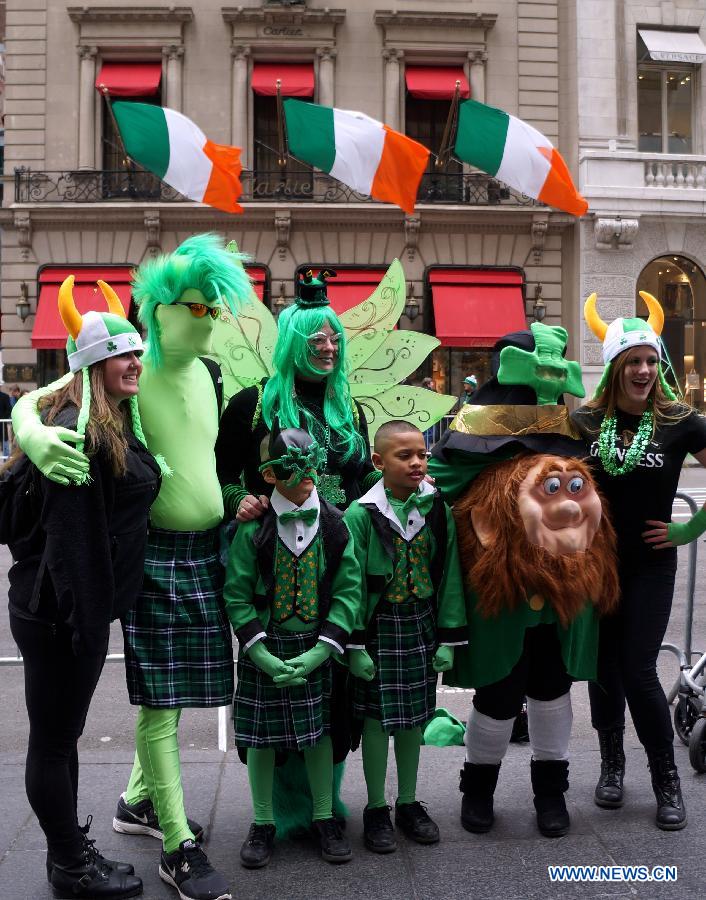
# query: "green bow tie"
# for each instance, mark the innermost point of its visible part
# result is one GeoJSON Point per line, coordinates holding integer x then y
{"type": "Point", "coordinates": [421, 502]}
{"type": "Point", "coordinates": [308, 516]}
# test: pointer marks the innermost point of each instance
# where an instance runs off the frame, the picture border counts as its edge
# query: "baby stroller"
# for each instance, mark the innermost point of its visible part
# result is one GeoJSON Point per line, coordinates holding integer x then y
{"type": "Point", "coordinates": [690, 688]}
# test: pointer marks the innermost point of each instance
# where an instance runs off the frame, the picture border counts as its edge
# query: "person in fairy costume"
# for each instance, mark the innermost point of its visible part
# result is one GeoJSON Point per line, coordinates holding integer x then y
{"type": "Point", "coordinates": [309, 389]}
{"type": "Point", "coordinates": [639, 435]}
{"type": "Point", "coordinates": [292, 594]}
{"type": "Point", "coordinates": [170, 667]}
{"type": "Point", "coordinates": [539, 564]}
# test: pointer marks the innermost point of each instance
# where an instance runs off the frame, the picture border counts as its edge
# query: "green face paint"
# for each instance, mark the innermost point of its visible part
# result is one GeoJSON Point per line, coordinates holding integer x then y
{"type": "Point", "coordinates": [544, 369]}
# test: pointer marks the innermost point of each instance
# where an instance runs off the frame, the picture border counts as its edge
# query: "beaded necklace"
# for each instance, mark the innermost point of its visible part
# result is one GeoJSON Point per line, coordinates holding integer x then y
{"type": "Point", "coordinates": [608, 452]}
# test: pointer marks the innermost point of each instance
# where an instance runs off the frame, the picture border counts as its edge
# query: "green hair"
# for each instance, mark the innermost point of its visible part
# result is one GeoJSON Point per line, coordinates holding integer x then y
{"type": "Point", "coordinates": [291, 357]}
{"type": "Point", "coordinates": [201, 262]}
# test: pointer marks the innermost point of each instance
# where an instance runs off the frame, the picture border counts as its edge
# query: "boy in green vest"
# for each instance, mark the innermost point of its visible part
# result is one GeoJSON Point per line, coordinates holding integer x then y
{"type": "Point", "coordinates": [411, 617]}
{"type": "Point", "coordinates": [292, 594]}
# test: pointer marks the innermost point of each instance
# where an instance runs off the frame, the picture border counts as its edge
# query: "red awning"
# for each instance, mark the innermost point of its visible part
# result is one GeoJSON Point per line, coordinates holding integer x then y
{"type": "Point", "coordinates": [49, 332]}
{"type": "Point", "coordinates": [259, 279]}
{"type": "Point", "coordinates": [130, 79]}
{"type": "Point", "coordinates": [475, 307]}
{"type": "Point", "coordinates": [436, 82]}
{"type": "Point", "coordinates": [296, 79]}
{"type": "Point", "coordinates": [352, 286]}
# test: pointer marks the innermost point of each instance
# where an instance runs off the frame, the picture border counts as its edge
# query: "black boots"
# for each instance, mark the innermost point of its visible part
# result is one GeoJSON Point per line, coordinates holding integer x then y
{"type": "Point", "coordinates": [86, 877]}
{"type": "Point", "coordinates": [671, 812]}
{"type": "Point", "coordinates": [609, 790]}
{"type": "Point", "coordinates": [477, 785]}
{"type": "Point", "coordinates": [550, 780]}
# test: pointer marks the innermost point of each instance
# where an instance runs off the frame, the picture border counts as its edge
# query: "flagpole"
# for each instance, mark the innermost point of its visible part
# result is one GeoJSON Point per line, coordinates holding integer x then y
{"type": "Point", "coordinates": [121, 145]}
{"type": "Point", "coordinates": [282, 151]}
{"type": "Point", "coordinates": [443, 154]}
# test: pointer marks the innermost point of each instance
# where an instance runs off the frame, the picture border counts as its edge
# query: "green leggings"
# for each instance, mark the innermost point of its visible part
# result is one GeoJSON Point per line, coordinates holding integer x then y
{"type": "Point", "coordinates": [376, 743]}
{"type": "Point", "coordinates": [156, 772]}
{"type": "Point", "coordinates": [319, 769]}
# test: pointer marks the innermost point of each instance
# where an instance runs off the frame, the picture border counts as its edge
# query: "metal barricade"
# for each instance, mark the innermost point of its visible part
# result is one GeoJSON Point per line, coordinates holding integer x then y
{"type": "Point", "coordinates": [6, 438]}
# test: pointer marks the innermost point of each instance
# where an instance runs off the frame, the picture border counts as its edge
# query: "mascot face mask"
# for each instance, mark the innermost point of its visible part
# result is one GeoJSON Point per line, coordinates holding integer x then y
{"type": "Point", "coordinates": [560, 510]}
{"type": "Point", "coordinates": [180, 329]}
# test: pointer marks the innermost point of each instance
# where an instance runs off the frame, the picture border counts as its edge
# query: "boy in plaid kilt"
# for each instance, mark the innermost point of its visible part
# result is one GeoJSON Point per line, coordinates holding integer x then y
{"type": "Point", "coordinates": [411, 616]}
{"type": "Point", "coordinates": [292, 593]}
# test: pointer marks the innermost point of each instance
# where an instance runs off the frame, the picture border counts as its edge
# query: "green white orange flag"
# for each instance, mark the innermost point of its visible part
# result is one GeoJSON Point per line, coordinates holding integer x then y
{"type": "Point", "coordinates": [361, 152]}
{"type": "Point", "coordinates": [517, 154]}
{"type": "Point", "coordinates": [176, 150]}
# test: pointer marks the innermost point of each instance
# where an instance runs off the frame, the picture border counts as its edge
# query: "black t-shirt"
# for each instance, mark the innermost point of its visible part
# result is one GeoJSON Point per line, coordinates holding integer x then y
{"type": "Point", "coordinates": [648, 491]}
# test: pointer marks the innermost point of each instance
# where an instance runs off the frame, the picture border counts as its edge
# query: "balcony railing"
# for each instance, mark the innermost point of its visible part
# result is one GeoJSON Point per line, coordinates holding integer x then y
{"type": "Point", "coordinates": [97, 186]}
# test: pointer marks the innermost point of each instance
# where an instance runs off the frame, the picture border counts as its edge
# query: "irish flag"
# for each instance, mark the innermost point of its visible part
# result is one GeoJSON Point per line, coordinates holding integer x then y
{"type": "Point", "coordinates": [177, 151]}
{"type": "Point", "coordinates": [517, 154]}
{"type": "Point", "coordinates": [359, 151]}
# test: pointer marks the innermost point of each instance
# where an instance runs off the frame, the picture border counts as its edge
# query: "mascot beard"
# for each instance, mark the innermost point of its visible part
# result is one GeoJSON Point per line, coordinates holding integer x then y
{"type": "Point", "coordinates": [532, 527]}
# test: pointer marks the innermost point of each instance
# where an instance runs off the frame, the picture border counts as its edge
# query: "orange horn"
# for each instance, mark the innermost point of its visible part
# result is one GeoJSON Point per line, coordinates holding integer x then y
{"type": "Point", "coordinates": [114, 303]}
{"type": "Point", "coordinates": [656, 317]}
{"type": "Point", "coordinates": [593, 320]}
{"type": "Point", "coordinates": [70, 316]}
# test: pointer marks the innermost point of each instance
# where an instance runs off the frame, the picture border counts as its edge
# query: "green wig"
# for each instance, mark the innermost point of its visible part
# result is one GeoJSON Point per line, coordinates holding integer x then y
{"type": "Point", "coordinates": [201, 262]}
{"type": "Point", "coordinates": [292, 357]}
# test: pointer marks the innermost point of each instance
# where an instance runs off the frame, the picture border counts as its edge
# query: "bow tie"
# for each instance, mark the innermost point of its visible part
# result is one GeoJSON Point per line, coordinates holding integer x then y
{"type": "Point", "coordinates": [421, 502]}
{"type": "Point", "coordinates": [307, 516]}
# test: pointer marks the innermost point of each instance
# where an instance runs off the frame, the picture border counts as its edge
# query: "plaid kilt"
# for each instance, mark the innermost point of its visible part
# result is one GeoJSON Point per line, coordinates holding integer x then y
{"type": "Point", "coordinates": [178, 649]}
{"type": "Point", "coordinates": [403, 693]}
{"type": "Point", "coordinates": [284, 718]}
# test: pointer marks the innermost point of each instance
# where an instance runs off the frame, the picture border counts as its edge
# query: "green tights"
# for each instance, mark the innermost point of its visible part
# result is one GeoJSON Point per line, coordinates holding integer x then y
{"type": "Point", "coordinates": [319, 769]}
{"type": "Point", "coordinates": [375, 747]}
{"type": "Point", "coordinates": [156, 772]}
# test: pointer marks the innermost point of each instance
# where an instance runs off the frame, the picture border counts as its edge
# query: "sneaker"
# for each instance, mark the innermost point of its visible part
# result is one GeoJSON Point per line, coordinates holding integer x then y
{"type": "Point", "coordinates": [256, 851]}
{"type": "Point", "coordinates": [414, 821]}
{"type": "Point", "coordinates": [86, 879]}
{"type": "Point", "coordinates": [189, 871]}
{"type": "Point", "coordinates": [332, 841]}
{"type": "Point", "coordinates": [378, 833]}
{"type": "Point", "coordinates": [141, 818]}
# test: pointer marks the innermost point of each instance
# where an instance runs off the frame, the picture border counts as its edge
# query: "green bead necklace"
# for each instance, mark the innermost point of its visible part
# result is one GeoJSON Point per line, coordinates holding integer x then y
{"type": "Point", "coordinates": [608, 451]}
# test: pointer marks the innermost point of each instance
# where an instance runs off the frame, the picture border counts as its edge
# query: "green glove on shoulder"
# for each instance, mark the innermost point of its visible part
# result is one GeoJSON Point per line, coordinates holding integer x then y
{"type": "Point", "coordinates": [443, 658]}
{"type": "Point", "coordinates": [361, 665]}
{"type": "Point", "coordinates": [680, 533]}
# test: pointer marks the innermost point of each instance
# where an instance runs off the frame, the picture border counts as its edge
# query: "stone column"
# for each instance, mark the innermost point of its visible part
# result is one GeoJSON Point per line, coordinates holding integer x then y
{"type": "Point", "coordinates": [391, 108]}
{"type": "Point", "coordinates": [326, 57]}
{"type": "Point", "coordinates": [477, 60]}
{"type": "Point", "coordinates": [173, 55]}
{"type": "Point", "coordinates": [239, 106]}
{"type": "Point", "coordinates": [87, 108]}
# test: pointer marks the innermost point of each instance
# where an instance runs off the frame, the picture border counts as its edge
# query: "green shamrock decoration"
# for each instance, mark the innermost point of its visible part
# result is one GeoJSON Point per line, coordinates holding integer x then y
{"type": "Point", "coordinates": [111, 346]}
{"type": "Point", "coordinates": [544, 370]}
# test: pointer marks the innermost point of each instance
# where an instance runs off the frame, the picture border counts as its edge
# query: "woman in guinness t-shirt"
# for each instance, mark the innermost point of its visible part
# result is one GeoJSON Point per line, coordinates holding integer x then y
{"type": "Point", "coordinates": [639, 436]}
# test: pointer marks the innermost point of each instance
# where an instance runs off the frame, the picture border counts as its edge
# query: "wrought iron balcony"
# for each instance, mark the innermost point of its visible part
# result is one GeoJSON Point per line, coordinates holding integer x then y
{"type": "Point", "coordinates": [96, 186]}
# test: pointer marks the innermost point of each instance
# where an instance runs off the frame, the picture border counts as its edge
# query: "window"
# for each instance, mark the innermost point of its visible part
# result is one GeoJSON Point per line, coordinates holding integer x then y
{"type": "Point", "coordinates": [665, 108]}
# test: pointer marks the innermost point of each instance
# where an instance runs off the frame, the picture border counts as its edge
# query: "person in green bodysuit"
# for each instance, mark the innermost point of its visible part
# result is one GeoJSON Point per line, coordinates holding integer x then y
{"type": "Point", "coordinates": [170, 667]}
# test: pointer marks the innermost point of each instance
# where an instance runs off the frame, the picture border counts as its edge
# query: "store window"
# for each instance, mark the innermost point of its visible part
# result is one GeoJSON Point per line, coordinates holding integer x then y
{"type": "Point", "coordinates": [680, 286]}
{"type": "Point", "coordinates": [665, 109]}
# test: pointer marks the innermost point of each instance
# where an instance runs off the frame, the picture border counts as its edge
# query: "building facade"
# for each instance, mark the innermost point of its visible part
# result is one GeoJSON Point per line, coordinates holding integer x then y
{"type": "Point", "coordinates": [476, 256]}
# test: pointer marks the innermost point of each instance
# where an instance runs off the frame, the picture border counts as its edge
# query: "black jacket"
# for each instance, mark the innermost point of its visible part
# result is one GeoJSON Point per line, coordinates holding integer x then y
{"type": "Point", "coordinates": [85, 565]}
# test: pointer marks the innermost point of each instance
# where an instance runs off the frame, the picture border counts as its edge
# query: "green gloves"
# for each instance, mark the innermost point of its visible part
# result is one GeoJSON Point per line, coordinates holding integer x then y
{"type": "Point", "coordinates": [45, 445]}
{"type": "Point", "coordinates": [685, 532]}
{"type": "Point", "coordinates": [361, 665]}
{"type": "Point", "coordinates": [306, 662]}
{"type": "Point", "coordinates": [282, 673]}
{"type": "Point", "coordinates": [443, 659]}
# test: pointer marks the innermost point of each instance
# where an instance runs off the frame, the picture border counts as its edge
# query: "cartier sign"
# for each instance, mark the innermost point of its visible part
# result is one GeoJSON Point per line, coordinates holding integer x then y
{"type": "Point", "coordinates": [282, 31]}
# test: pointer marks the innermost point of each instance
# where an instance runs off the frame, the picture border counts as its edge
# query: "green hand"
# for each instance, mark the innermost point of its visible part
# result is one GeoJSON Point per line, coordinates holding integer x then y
{"type": "Point", "coordinates": [267, 662]}
{"type": "Point", "coordinates": [306, 662]}
{"type": "Point", "coordinates": [680, 533]}
{"type": "Point", "coordinates": [443, 659]}
{"type": "Point", "coordinates": [361, 665]}
{"type": "Point", "coordinates": [544, 370]}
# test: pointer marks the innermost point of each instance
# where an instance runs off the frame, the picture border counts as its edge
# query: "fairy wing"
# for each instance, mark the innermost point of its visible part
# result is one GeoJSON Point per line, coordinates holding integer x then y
{"type": "Point", "coordinates": [418, 405]}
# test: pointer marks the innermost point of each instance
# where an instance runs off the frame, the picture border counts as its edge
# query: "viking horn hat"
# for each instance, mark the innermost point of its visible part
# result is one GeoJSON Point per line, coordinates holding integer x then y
{"type": "Point", "coordinates": [623, 333]}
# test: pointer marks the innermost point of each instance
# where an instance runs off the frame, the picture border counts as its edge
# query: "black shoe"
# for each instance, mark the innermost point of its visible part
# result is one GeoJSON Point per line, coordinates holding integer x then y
{"type": "Point", "coordinates": [413, 820]}
{"type": "Point", "coordinates": [671, 812]}
{"type": "Point", "coordinates": [94, 854]}
{"type": "Point", "coordinates": [550, 780]}
{"type": "Point", "coordinates": [378, 833]}
{"type": "Point", "coordinates": [86, 879]}
{"type": "Point", "coordinates": [256, 851]}
{"type": "Point", "coordinates": [332, 841]}
{"type": "Point", "coordinates": [141, 818]}
{"type": "Point", "coordinates": [478, 783]}
{"type": "Point", "coordinates": [609, 790]}
{"type": "Point", "coordinates": [520, 727]}
{"type": "Point", "coordinates": [189, 871]}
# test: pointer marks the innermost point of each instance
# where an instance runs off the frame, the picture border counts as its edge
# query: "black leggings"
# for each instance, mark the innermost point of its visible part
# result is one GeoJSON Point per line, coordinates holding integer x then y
{"type": "Point", "coordinates": [539, 673]}
{"type": "Point", "coordinates": [627, 654]}
{"type": "Point", "coordinates": [58, 691]}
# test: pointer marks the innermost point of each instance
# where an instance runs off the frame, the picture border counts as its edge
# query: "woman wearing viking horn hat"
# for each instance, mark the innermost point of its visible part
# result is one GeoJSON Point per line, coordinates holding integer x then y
{"type": "Point", "coordinates": [639, 435]}
{"type": "Point", "coordinates": [78, 568]}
